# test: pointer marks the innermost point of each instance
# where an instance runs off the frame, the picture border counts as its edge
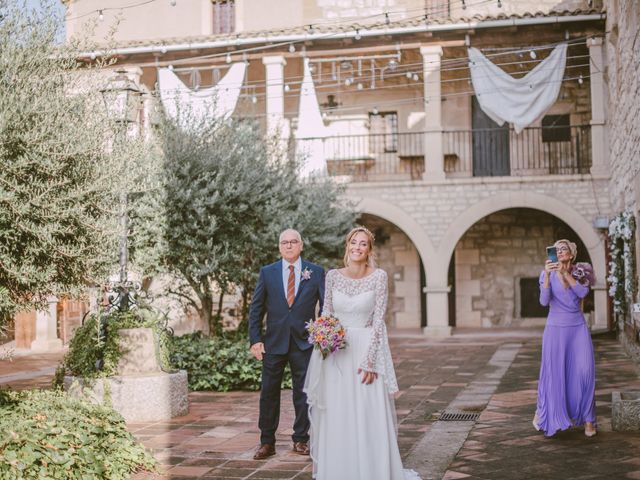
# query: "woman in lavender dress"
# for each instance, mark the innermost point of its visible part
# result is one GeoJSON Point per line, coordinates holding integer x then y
{"type": "Point", "coordinates": [566, 388]}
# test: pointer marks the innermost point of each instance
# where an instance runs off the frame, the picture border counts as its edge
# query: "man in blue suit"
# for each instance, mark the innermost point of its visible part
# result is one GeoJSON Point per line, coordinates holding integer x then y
{"type": "Point", "coordinates": [287, 292]}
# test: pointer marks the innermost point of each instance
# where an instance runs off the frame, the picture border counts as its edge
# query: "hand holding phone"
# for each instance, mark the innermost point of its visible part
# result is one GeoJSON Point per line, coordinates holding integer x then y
{"type": "Point", "coordinates": [552, 254]}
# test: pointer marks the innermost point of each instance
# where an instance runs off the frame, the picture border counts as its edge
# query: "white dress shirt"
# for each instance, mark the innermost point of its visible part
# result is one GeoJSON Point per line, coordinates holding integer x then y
{"type": "Point", "coordinates": [297, 272]}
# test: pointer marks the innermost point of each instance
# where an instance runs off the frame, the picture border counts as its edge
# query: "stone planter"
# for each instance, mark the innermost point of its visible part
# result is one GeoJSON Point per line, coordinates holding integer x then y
{"type": "Point", "coordinates": [138, 398]}
{"type": "Point", "coordinates": [141, 392]}
{"type": "Point", "coordinates": [625, 411]}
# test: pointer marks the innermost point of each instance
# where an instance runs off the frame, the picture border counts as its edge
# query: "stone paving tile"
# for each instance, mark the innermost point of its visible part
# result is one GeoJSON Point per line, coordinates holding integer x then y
{"type": "Point", "coordinates": [218, 437]}
{"type": "Point", "coordinates": [512, 449]}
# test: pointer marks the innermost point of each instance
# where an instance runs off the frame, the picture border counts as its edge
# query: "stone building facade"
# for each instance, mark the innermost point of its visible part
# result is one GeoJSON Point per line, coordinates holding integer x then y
{"type": "Point", "coordinates": [623, 58]}
{"type": "Point", "coordinates": [404, 128]}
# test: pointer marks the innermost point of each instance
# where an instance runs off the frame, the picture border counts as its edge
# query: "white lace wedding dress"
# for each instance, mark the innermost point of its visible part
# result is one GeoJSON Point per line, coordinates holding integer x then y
{"type": "Point", "coordinates": [353, 425]}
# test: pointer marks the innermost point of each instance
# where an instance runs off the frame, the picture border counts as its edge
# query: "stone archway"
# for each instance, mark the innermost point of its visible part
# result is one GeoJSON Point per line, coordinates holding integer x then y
{"type": "Point", "coordinates": [591, 239]}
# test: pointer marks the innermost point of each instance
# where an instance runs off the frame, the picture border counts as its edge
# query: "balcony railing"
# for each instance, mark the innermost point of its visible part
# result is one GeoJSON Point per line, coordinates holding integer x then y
{"type": "Point", "coordinates": [502, 152]}
{"type": "Point", "coordinates": [467, 153]}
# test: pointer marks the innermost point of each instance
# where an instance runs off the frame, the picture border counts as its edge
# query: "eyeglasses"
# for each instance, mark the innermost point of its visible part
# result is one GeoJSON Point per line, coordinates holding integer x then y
{"type": "Point", "coordinates": [562, 249]}
{"type": "Point", "coordinates": [293, 243]}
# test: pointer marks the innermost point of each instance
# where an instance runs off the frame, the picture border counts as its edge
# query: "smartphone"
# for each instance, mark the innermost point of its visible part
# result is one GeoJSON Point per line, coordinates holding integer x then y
{"type": "Point", "coordinates": [552, 254]}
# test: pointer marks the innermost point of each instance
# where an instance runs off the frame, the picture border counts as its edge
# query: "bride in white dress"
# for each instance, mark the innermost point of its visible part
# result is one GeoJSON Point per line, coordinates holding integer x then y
{"type": "Point", "coordinates": [350, 393]}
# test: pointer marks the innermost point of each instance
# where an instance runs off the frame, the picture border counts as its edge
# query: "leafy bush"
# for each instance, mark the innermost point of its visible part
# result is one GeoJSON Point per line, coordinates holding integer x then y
{"type": "Point", "coordinates": [47, 434]}
{"type": "Point", "coordinates": [87, 348]}
{"type": "Point", "coordinates": [219, 364]}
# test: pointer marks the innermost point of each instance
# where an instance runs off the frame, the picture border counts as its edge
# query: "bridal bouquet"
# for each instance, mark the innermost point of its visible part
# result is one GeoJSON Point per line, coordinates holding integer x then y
{"type": "Point", "coordinates": [326, 334]}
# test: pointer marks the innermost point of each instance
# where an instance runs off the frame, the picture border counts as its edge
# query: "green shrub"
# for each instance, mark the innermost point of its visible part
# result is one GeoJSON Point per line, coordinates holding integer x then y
{"type": "Point", "coordinates": [47, 434]}
{"type": "Point", "coordinates": [87, 347]}
{"type": "Point", "coordinates": [219, 364]}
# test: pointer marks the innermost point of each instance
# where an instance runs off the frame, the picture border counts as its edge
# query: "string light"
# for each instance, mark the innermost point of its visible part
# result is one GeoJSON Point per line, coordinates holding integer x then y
{"type": "Point", "coordinates": [580, 80]}
{"type": "Point", "coordinates": [172, 3]}
{"type": "Point", "coordinates": [228, 59]}
{"type": "Point", "coordinates": [532, 54]}
{"type": "Point", "coordinates": [499, 4]}
{"type": "Point", "coordinates": [358, 37]}
{"type": "Point", "coordinates": [292, 48]}
{"type": "Point", "coordinates": [287, 88]}
{"type": "Point", "coordinates": [415, 77]}
{"type": "Point", "coordinates": [360, 86]}
{"type": "Point", "coordinates": [464, 5]}
{"type": "Point", "coordinates": [100, 15]}
{"type": "Point", "coordinates": [386, 18]}
{"type": "Point", "coordinates": [254, 99]}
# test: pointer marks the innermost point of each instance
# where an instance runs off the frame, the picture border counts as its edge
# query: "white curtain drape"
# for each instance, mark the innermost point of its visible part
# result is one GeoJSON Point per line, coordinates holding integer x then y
{"type": "Point", "coordinates": [311, 132]}
{"type": "Point", "coordinates": [219, 100]}
{"type": "Point", "coordinates": [519, 101]}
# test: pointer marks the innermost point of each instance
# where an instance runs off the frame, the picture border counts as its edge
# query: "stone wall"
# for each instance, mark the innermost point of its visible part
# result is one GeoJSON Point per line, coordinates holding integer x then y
{"type": "Point", "coordinates": [437, 206]}
{"type": "Point", "coordinates": [623, 56]}
{"type": "Point", "coordinates": [397, 255]}
{"type": "Point", "coordinates": [494, 255]}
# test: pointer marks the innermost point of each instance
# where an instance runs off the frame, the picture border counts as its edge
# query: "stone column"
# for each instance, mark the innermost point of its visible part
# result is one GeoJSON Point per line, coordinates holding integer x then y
{"type": "Point", "coordinates": [274, 66]}
{"type": "Point", "coordinates": [433, 149]}
{"type": "Point", "coordinates": [600, 308]}
{"type": "Point", "coordinates": [47, 329]}
{"type": "Point", "coordinates": [599, 137]}
{"type": "Point", "coordinates": [437, 311]}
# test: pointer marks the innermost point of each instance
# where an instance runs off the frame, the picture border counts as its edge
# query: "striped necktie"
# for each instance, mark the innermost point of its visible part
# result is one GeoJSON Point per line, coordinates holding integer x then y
{"type": "Point", "coordinates": [291, 286]}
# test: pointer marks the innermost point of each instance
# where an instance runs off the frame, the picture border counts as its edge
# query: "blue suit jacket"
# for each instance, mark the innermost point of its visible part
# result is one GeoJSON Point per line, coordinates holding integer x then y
{"type": "Point", "coordinates": [284, 322]}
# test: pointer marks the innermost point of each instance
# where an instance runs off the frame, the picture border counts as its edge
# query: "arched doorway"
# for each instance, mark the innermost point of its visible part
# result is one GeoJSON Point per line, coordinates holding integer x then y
{"type": "Point", "coordinates": [399, 257]}
{"type": "Point", "coordinates": [496, 264]}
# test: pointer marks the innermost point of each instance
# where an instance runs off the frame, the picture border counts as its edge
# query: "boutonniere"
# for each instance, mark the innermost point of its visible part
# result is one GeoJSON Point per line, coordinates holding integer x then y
{"type": "Point", "coordinates": [306, 274]}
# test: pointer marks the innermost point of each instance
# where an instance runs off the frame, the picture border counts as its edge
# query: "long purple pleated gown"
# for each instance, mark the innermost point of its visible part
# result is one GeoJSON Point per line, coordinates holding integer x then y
{"type": "Point", "coordinates": [566, 388]}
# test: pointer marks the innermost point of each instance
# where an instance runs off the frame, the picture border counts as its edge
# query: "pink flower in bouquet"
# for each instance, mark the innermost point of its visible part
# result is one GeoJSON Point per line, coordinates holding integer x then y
{"type": "Point", "coordinates": [306, 274]}
{"type": "Point", "coordinates": [326, 334]}
{"type": "Point", "coordinates": [583, 273]}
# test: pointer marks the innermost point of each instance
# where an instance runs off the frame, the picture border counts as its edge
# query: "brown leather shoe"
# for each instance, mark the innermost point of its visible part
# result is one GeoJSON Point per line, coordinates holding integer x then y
{"type": "Point", "coordinates": [265, 451]}
{"type": "Point", "coordinates": [301, 448]}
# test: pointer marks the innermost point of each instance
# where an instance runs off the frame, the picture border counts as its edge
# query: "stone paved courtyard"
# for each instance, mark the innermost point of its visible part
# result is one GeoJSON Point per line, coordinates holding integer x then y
{"type": "Point", "coordinates": [218, 437]}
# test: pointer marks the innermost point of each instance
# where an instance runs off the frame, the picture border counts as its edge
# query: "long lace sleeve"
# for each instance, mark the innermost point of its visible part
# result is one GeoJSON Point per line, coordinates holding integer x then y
{"type": "Point", "coordinates": [327, 306]}
{"type": "Point", "coordinates": [378, 357]}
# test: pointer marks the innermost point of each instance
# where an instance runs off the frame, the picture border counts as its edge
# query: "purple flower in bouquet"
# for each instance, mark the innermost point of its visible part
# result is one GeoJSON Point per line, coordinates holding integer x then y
{"type": "Point", "coordinates": [583, 273]}
{"type": "Point", "coordinates": [326, 334]}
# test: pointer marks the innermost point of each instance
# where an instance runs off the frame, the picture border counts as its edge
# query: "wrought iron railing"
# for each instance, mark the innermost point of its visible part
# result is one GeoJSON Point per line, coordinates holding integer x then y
{"type": "Point", "coordinates": [502, 152]}
{"type": "Point", "coordinates": [467, 153]}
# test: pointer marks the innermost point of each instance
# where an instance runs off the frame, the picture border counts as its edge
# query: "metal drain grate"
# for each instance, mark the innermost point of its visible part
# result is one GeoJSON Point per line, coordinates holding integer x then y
{"type": "Point", "coordinates": [459, 416]}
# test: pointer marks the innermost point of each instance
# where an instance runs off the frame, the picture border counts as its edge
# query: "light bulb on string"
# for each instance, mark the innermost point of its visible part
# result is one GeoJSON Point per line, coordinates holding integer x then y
{"type": "Point", "coordinates": [409, 75]}
{"type": "Point", "coordinates": [292, 48]}
{"type": "Point", "coordinates": [375, 110]}
{"type": "Point", "coordinates": [171, 67]}
{"type": "Point", "coordinates": [386, 18]}
{"type": "Point", "coordinates": [358, 36]}
{"type": "Point", "coordinates": [172, 3]}
{"type": "Point", "coordinates": [100, 15]}
{"type": "Point", "coordinates": [163, 49]}
{"type": "Point", "coordinates": [287, 88]}
{"type": "Point", "coordinates": [348, 81]}
{"type": "Point", "coordinates": [360, 86]}
{"type": "Point", "coordinates": [532, 54]}
{"type": "Point", "coordinates": [415, 77]}
{"type": "Point", "coordinates": [228, 58]}
{"type": "Point", "coordinates": [464, 5]}
{"type": "Point", "coordinates": [254, 99]}
{"type": "Point", "coordinates": [93, 56]}
{"type": "Point", "coordinates": [499, 4]}
{"type": "Point", "coordinates": [580, 80]}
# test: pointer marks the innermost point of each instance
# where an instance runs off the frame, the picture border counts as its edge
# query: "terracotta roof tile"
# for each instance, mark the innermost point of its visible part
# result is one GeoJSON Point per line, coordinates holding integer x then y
{"type": "Point", "coordinates": [328, 29]}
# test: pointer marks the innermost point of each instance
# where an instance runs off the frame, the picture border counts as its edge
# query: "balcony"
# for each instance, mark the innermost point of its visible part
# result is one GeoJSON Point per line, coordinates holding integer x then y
{"type": "Point", "coordinates": [492, 152]}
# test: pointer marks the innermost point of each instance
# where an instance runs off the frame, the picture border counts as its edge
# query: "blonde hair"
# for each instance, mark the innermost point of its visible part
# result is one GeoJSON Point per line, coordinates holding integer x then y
{"type": "Point", "coordinates": [573, 249]}
{"type": "Point", "coordinates": [371, 257]}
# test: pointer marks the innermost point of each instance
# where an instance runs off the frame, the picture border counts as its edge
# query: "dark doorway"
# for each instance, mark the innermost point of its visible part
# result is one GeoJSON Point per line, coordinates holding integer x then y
{"type": "Point", "coordinates": [451, 281]}
{"type": "Point", "coordinates": [490, 144]}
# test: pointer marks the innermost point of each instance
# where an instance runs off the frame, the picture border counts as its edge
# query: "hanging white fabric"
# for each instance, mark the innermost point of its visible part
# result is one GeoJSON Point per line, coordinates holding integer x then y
{"type": "Point", "coordinates": [219, 101]}
{"type": "Point", "coordinates": [311, 132]}
{"type": "Point", "coordinates": [517, 100]}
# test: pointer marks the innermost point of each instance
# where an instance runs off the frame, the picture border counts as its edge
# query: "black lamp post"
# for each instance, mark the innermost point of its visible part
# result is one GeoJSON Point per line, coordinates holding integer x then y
{"type": "Point", "coordinates": [122, 101]}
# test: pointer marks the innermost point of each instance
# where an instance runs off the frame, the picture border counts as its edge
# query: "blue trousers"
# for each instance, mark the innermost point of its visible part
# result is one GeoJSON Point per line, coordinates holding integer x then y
{"type": "Point", "coordinates": [272, 372]}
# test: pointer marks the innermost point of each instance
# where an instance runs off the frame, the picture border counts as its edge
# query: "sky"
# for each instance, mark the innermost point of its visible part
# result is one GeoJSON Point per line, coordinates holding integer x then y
{"type": "Point", "coordinates": [38, 4]}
